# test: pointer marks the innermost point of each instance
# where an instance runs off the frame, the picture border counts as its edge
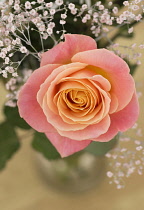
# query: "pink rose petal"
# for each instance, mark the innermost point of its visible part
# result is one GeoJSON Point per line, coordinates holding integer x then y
{"type": "Point", "coordinates": [66, 146]}
{"type": "Point", "coordinates": [64, 51]}
{"type": "Point", "coordinates": [29, 108]}
{"type": "Point", "coordinates": [121, 121]}
{"type": "Point", "coordinates": [110, 134]}
{"type": "Point", "coordinates": [126, 118]}
{"type": "Point", "coordinates": [114, 103]}
{"type": "Point", "coordinates": [103, 82]}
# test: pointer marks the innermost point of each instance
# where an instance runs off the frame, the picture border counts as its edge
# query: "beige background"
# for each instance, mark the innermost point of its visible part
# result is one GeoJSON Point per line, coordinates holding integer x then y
{"type": "Point", "coordinates": [22, 187]}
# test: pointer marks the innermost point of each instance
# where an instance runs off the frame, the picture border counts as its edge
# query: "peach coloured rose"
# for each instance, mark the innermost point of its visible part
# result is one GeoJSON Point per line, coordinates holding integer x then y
{"type": "Point", "coordinates": [78, 95]}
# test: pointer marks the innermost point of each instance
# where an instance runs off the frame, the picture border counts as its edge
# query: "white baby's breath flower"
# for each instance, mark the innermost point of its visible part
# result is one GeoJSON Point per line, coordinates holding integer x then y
{"type": "Point", "coordinates": [109, 174]}
{"type": "Point", "coordinates": [110, 3]}
{"type": "Point", "coordinates": [84, 20]}
{"type": "Point", "coordinates": [126, 3]}
{"type": "Point", "coordinates": [62, 22]}
{"type": "Point", "coordinates": [7, 60]}
{"type": "Point", "coordinates": [18, 41]}
{"type": "Point", "coordinates": [59, 2]}
{"type": "Point", "coordinates": [40, 1]}
{"type": "Point", "coordinates": [14, 42]}
{"type": "Point", "coordinates": [63, 16]}
{"type": "Point", "coordinates": [135, 7]}
{"type": "Point", "coordinates": [4, 74]}
{"type": "Point", "coordinates": [28, 5]}
{"type": "Point", "coordinates": [45, 35]}
{"type": "Point", "coordinates": [7, 41]}
{"type": "Point", "coordinates": [51, 25]}
{"type": "Point", "coordinates": [1, 44]}
{"type": "Point", "coordinates": [138, 17]}
{"type": "Point", "coordinates": [15, 74]}
{"type": "Point", "coordinates": [98, 3]}
{"type": "Point", "coordinates": [10, 18]}
{"type": "Point", "coordinates": [41, 27]}
{"type": "Point", "coordinates": [84, 6]}
{"type": "Point", "coordinates": [10, 55]}
{"type": "Point", "coordinates": [45, 13]}
{"type": "Point", "coordinates": [71, 6]}
{"type": "Point", "coordinates": [141, 46]}
{"type": "Point", "coordinates": [16, 7]}
{"type": "Point", "coordinates": [9, 69]}
{"type": "Point", "coordinates": [52, 11]}
{"type": "Point", "coordinates": [2, 55]}
{"type": "Point", "coordinates": [33, 12]}
{"type": "Point", "coordinates": [130, 30]}
{"type": "Point", "coordinates": [74, 11]}
{"type": "Point", "coordinates": [23, 49]}
{"type": "Point", "coordinates": [88, 17]}
{"type": "Point", "coordinates": [11, 2]}
{"type": "Point", "coordinates": [115, 10]}
{"type": "Point", "coordinates": [49, 5]}
{"type": "Point", "coordinates": [101, 7]}
{"type": "Point", "coordinates": [49, 31]}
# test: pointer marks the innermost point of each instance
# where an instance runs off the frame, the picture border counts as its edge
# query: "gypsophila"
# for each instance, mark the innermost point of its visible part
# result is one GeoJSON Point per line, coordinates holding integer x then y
{"type": "Point", "coordinates": [59, 2]}
{"type": "Point", "coordinates": [23, 50]}
{"type": "Point", "coordinates": [28, 5]}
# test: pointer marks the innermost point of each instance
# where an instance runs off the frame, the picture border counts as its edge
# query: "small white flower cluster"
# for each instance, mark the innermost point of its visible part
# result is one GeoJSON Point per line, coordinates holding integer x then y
{"type": "Point", "coordinates": [14, 85]}
{"type": "Point", "coordinates": [127, 157]}
{"type": "Point", "coordinates": [130, 53]}
{"type": "Point", "coordinates": [123, 162]}
{"type": "Point", "coordinates": [16, 27]}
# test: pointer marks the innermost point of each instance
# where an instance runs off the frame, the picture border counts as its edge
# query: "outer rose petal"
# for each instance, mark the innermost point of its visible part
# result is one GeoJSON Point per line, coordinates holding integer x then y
{"type": "Point", "coordinates": [64, 51]}
{"type": "Point", "coordinates": [122, 120]}
{"type": "Point", "coordinates": [114, 69]}
{"type": "Point", "coordinates": [110, 134]}
{"type": "Point", "coordinates": [66, 146]}
{"type": "Point", "coordinates": [28, 106]}
{"type": "Point", "coordinates": [126, 118]}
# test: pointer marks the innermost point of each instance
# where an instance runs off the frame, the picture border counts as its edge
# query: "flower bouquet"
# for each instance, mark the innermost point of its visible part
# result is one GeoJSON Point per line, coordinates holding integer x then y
{"type": "Point", "coordinates": [70, 84]}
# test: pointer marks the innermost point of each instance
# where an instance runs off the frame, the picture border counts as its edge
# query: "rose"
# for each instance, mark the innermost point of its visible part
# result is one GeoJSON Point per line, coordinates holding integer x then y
{"type": "Point", "coordinates": [78, 95]}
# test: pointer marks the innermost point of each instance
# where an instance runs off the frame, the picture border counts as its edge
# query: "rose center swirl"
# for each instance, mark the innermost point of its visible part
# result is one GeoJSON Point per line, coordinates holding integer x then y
{"type": "Point", "coordinates": [82, 100]}
{"type": "Point", "coordinates": [76, 99]}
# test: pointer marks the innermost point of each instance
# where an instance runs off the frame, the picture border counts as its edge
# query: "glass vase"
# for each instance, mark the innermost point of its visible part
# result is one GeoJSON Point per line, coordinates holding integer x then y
{"type": "Point", "coordinates": [76, 173]}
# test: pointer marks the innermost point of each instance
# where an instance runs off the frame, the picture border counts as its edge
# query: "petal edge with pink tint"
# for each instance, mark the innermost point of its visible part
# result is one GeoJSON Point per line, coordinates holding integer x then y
{"type": "Point", "coordinates": [28, 106]}
{"type": "Point", "coordinates": [121, 121]}
{"type": "Point", "coordinates": [110, 134]}
{"type": "Point", "coordinates": [66, 146]}
{"type": "Point", "coordinates": [64, 51]}
{"type": "Point", "coordinates": [126, 118]}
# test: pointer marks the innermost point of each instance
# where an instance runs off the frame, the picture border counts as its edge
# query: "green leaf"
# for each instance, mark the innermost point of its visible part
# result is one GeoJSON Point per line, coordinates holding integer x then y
{"type": "Point", "coordinates": [101, 148]}
{"type": "Point", "coordinates": [44, 146]}
{"type": "Point", "coordinates": [14, 118]}
{"type": "Point", "coordinates": [9, 143]}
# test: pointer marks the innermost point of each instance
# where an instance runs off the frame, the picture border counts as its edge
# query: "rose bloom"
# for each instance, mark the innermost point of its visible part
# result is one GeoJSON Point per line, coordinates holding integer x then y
{"type": "Point", "coordinates": [78, 95]}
